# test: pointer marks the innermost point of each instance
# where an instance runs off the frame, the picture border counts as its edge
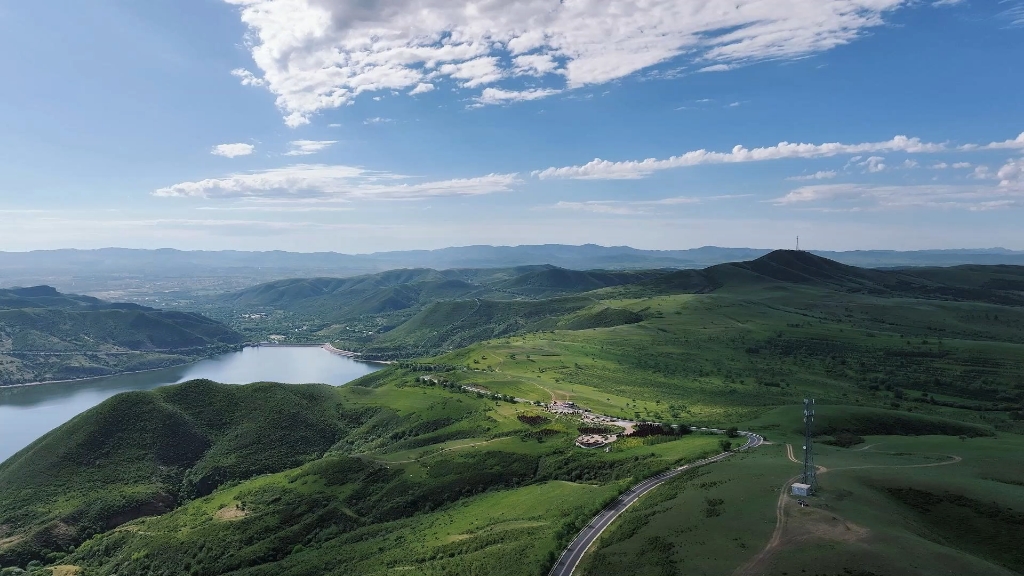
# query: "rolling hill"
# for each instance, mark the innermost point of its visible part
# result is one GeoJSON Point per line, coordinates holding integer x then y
{"type": "Point", "coordinates": [167, 276]}
{"type": "Point", "coordinates": [1003, 284]}
{"type": "Point", "coordinates": [404, 313]}
{"type": "Point", "coordinates": [47, 335]}
{"type": "Point", "coordinates": [920, 416]}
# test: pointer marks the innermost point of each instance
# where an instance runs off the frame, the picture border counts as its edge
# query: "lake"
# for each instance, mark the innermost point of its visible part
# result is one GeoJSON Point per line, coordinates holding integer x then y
{"type": "Point", "coordinates": [28, 412]}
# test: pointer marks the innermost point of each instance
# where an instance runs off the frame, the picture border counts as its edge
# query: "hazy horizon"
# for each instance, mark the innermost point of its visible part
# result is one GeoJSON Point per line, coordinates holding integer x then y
{"type": "Point", "coordinates": [978, 249]}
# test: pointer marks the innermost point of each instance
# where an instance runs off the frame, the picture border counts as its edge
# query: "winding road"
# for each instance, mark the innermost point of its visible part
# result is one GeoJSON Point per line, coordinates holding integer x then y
{"type": "Point", "coordinates": [572, 555]}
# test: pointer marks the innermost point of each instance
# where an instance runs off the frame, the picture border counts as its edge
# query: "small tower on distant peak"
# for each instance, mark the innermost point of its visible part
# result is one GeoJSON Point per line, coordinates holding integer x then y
{"type": "Point", "coordinates": [797, 243]}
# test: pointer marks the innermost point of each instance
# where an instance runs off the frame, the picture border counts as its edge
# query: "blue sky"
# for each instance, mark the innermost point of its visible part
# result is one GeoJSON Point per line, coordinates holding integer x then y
{"type": "Point", "coordinates": [366, 125]}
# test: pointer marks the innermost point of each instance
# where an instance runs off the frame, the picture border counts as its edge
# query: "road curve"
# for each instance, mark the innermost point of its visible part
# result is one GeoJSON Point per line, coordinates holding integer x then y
{"type": "Point", "coordinates": [572, 555]}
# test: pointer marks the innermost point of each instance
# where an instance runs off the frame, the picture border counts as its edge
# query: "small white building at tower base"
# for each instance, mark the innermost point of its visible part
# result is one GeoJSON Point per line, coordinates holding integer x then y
{"type": "Point", "coordinates": [801, 489]}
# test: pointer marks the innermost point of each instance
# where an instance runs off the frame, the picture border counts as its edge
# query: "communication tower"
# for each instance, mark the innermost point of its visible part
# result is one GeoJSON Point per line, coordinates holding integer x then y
{"type": "Point", "coordinates": [809, 470]}
{"type": "Point", "coordinates": [797, 243]}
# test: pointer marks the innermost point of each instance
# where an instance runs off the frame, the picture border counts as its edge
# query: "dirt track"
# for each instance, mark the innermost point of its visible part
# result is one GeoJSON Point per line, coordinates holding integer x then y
{"type": "Point", "coordinates": [758, 563]}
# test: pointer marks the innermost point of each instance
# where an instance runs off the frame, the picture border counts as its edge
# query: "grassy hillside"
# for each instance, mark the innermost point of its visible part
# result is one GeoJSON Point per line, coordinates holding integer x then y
{"type": "Point", "coordinates": [449, 325]}
{"type": "Point", "coordinates": [269, 471]}
{"type": "Point", "coordinates": [355, 312]}
{"type": "Point", "coordinates": [46, 335]}
{"type": "Point", "coordinates": [394, 473]}
{"type": "Point", "coordinates": [361, 313]}
{"type": "Point", "coordinates": [49, 297]}
{"type": "Point", "coordinates": [142, 453]}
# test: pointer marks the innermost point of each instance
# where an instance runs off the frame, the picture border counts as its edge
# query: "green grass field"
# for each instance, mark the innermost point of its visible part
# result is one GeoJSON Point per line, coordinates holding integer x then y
{"type": "Point", "coordinates": [397, 474]}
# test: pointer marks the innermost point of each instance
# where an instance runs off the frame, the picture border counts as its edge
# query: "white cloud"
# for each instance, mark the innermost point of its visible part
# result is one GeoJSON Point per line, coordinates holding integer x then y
{"type": "Point", "coordinates": [908, 164]}
{"type": "Point", "coordinates": [861, 197]}
{"type": "Point", "coordinates": [873, 164]}
{"type": "Point", "coordinates": [630, 206]}
{"type": "Point", "coordinates": [819, 175]}
{"type": "Point", "coordinates": [599, 169]}
{"type": "Point", "coordinates": [232, 150]}
{"type": "Point", "coordinates": [534, 64]}
{"type": "Point", "coordinates": [377, 120]}
{"type": "Point", "coordinates": [320, 54]}
{"type": "Point", "coordinates": [475, 72]}
{"type": "Point", "coordinates": [955, 165]}
{"type": "Point", "coordinates": [1014, 14]}
{"type": "Point", "coordinates": [247, 78]}
{"type": "Point", "coordinates": [307, 147]}
{"type": "Point", "coordinates": [981, 173]}
{"type": "Point", "coordinates": [334, 183]}
{"type": "Point", "coordinates": [421, 88]}
{"type": "Point", "coordinates": [499, 96]}
{"type": "Point", "coordinates": [1015, 144]}
{"type": "Point", "coordinates": [1012, 173]}
{"type": "Point", "coordinates": [598, 207]}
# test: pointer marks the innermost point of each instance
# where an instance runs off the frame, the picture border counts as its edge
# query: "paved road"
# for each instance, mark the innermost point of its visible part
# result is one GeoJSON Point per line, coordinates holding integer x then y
{"type": "Point", "coordinates": [572, 555]}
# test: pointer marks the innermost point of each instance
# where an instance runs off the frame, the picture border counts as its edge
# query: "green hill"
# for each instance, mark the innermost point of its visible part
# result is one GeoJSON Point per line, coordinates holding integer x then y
{"type": "Point", "coordinates": [550, 281]}
{"type": "Point", "coordinates": [406, 313]}
{"type": "Point", "coordinates": [141, 453]}
{"type": "Point", "coordinates": [443, 326]}
{"type": "Point", "coordinates": [289, 465]}
{"type": "Point", "coordinates": [791, 266]}
{"type": "Point", "coordinates": [396, 290]}
{"type": "Point", "coordinates": [360, 313]}
{"type": "Point", "coordinates": [1001, 284]}
{"type": "Point", "coordinates": [46, 335]}
{"type": "Point", "coordinates": [407, 471]}
{"type": "Point", "coordinates": [49, 297]}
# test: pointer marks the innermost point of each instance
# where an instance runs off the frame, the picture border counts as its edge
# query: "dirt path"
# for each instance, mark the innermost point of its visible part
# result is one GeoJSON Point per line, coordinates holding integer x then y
{"type": "Point", "coordinates": [865, 447]}
{"type": "Point", "coordinates": [789, 454]}
{"type": "Point", "coordinates": [758, 563]}
{"type": "Point", "coordinates": [459, 447]}
{"type": "Point", "coordinates": [554, 397]}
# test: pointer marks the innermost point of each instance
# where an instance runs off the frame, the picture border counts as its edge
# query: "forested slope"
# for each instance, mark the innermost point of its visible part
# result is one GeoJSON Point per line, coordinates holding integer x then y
{"type": "Point", "coordinates": [46, 335]}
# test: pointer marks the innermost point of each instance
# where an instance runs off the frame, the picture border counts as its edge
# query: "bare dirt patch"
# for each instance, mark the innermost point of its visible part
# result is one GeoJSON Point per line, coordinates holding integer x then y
{"type": "Point", "coordinates": [66, 570]}
{"type": "Point", "coordinates": [10, 540]}
{"type": "Point", "coordinates": [810, 523]}
{"type": "Point", "coordinates": [232, 512]}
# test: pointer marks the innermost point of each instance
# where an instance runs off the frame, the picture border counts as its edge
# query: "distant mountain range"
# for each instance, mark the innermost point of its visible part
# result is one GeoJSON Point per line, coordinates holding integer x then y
{"type": "Point", "coordinates": [115, 272]}
{"type": "Point", "coordinates": [421, 311]}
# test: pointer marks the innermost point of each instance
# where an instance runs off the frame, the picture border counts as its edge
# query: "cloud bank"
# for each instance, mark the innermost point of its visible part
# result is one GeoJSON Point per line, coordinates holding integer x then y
{"type": "Point", "coordinates": [333, 182]}
{"type": "Point", "coordinates": [599, 169]}
{"type": "Point", "coordinates": [320, 54]}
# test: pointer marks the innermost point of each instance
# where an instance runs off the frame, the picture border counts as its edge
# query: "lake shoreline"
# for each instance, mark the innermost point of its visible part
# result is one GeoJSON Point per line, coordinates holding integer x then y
{"type": "Point", "coordinates": [70, 380]}
{"type": "Point", "coordinates": [29, 410]}
{"type": "Point", "coordinates": [326, 346]}
{"type": "Point", "coordinates": [353, 355]}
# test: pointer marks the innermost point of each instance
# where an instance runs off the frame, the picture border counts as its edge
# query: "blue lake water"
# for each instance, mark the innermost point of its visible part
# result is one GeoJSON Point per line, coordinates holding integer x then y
{"type": "Point", "coordinates": [28, 412]}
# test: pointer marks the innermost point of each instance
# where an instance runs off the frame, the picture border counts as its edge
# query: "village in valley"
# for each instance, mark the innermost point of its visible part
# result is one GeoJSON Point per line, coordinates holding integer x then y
{"type": "Point", "coordinates": [596, 430]}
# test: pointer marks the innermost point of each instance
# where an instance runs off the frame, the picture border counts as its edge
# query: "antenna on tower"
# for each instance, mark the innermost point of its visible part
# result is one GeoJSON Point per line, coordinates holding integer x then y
{"type": "Point", "coordinates": [797, 243]}
{"type": "Point", "coordinates": [809, 470]}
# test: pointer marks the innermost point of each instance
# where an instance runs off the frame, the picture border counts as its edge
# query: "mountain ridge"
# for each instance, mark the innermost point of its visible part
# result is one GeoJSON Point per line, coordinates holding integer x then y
{"type": "Point", "coordinates": [47, 335]}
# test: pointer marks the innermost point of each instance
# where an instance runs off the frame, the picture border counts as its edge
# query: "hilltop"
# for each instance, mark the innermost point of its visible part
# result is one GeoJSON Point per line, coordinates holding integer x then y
{"type": "Point", "coordinates": [166, 276]}
{"type": "Point", "coordinates": [405, 313]}
{"type": "Point", "coordinates": [48, 335]}
{"type": "Point", "coordinates": [408, 469]}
